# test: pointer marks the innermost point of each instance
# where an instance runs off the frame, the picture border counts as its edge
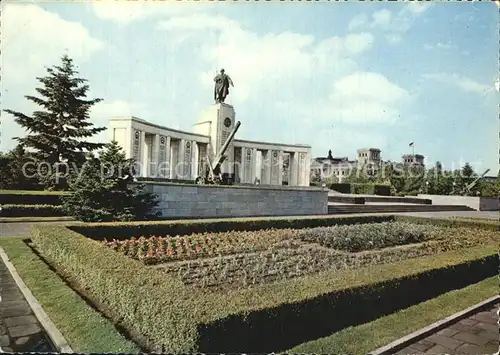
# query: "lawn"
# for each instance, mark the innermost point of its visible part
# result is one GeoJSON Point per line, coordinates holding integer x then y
{"type": "Point", "coordinates": [264, 285]}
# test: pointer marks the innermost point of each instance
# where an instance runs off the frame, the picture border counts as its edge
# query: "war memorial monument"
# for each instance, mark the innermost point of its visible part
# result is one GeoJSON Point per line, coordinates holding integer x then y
{"type": "Point", "coordinates": [167, 153]}
{"type": "Point", "coordinates": [210, 158]}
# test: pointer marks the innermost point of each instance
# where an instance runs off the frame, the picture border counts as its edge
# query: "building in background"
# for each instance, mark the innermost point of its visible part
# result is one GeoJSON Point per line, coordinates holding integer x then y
{"type": "Point", "coordinates": [413, 159]}
{"type": "Point", "coordinates": [368, 160]}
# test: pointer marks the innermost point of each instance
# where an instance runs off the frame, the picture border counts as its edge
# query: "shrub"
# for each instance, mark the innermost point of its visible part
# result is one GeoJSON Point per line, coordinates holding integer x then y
{"type": "Point", "coordinates": [343, 188]}
{"type": "Point", "coordinates": [31, 211]}
{"type": "Point", "coordinates": [27, 198]}
{"type": "Point", "coordinates": [127, 230]}
{"type": "Point", "coordinates": [102, 192]}
{"type": "Point", "coordinates": [452, 222]}
{"type": "Point", "coordinates": [355, 238]}
{"type": "Point", "coordinates": [370, 189]}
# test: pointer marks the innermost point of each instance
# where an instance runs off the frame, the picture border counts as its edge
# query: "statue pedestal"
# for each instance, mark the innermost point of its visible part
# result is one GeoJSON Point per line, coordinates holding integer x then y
{"type": "Point", "coordinates": [217, 122]}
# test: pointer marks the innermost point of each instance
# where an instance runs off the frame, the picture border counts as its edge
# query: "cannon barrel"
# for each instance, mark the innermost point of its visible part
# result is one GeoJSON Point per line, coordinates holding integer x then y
{"type": "Point", "coordinates": [472, 184]}
{"type": "Point", "coordinates": [230, 138]}
{"type": "Point", "coordinates": [220, 157]}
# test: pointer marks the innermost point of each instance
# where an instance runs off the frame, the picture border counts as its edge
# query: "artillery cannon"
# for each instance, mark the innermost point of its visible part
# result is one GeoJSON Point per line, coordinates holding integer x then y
{"type": "Point", "coordinates": [467, 188]}
{"type": "Point", "coordinates": [212, 169]}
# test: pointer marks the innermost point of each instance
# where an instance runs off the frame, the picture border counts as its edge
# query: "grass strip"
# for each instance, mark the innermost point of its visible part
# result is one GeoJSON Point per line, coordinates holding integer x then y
{"type": "Point", "coordinates": [36, 219]}
{"type": "Point", "coordinates": [33, 192]}
{"type": "Point", "coordinates": [367, 337]}
{"type": "Point", "coordinates": [85, 329]}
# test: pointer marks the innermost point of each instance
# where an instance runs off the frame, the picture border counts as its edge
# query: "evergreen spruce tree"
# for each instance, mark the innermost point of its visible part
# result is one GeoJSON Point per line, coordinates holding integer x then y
{"type": "Point", "coordinates": [58, 132]}
{"type": "Point", "coordinates": [414, 181]}
{"type": "Point", "coordinates": [16, 172]}
{"type": "Point", "coordinates": [103, 191]}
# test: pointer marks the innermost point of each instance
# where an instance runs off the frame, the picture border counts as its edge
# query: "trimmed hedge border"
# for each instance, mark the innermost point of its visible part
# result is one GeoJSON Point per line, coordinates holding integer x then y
{"type": "Point", "coordinates": [126, 230]}
{"type": "Point", "coordinates": [176, 318]}
{"type": "Point", "coordinates": [21, 197]}
{"type": "Point", "coordinates": [363, 189]}
{"type": "Point", "coordinates": [452, 222]}
{"type": "Point", "coordinates": [31, 211]}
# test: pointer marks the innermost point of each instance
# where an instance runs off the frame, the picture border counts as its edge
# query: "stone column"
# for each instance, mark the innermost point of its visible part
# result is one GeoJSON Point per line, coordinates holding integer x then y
{"type": "Point", "coordinates": [181, 159]}
{"type": "Point", "coordinates": [156, 155]}
{"type": "Point", "coordinates": [294, 171]}
{"type": "Point", "coordinates": [145, 156]}
{"type": "Point", "coordinates": [280, 168]}
{"type": "Point", "coordinates": [241, 164]}
{"type": "Point", "coordinates": [267, 161]}
{"type": "Point", "coordinates": [253, 166]}
{"type": "Point", "coordinates": [307, 168]}
{"type": "Point", "coordinates": [194, 159]}
{"type": "Point", "coordinates": [168, 168]}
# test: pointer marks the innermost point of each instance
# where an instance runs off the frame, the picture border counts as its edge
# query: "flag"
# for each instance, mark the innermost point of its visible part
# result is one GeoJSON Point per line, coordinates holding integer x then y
{"type": "Point", "coordinates": [411, 144]}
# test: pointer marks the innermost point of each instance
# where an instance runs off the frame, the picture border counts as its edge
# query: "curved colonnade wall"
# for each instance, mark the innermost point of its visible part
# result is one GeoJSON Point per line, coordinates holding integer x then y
{"type": "Point", "coordinates": [162, 152]}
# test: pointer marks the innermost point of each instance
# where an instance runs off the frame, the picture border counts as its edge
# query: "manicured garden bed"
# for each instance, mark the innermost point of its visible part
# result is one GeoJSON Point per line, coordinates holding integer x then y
{"type": "Point", "coordinates": [270, 287]}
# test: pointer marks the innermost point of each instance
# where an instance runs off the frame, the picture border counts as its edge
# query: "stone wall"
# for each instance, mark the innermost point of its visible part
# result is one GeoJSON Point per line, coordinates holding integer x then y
{"type": "Point", "coordinates": [205, 201]}
{"type": "Point", "coordinates": [477, 203]}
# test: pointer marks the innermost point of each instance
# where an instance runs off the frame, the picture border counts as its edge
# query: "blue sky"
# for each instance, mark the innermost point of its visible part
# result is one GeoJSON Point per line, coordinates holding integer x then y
{"type": "Point", "coordinates": [337, 76]}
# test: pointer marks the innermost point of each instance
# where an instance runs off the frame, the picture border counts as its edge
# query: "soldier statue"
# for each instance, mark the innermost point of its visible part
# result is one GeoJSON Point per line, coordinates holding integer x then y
{"type": "Point", "coordinates": [221, 89]}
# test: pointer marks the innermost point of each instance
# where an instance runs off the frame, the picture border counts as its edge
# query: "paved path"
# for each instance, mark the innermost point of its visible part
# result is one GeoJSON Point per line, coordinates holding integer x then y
{"type": "Point", "coordinates": [22, 229]}
{"type": "Point", "coordinates": [477, 334]}
{"type": "Point", "coordinates": [20, 330]}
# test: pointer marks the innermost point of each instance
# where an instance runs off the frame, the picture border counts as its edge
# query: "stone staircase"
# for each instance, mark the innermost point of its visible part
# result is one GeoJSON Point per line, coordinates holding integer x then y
{"type": "Point", "coordinates": [386, 208]}
{"type": "Point", "coordinates": [351, 203]}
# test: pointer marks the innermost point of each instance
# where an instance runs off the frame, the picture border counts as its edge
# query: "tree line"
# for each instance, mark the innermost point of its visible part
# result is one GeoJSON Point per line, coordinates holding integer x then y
{"type": "Point", "coordinates": [410, 180]}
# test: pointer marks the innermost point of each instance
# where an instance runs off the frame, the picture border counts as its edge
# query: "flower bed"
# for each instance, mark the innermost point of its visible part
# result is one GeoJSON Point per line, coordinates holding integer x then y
{"type": "Point", "coordinates": [155, 250]}
{"type": "Point", "coordinates": [285, 263]}
{"type": "Point", "coordinates": [360, 237]}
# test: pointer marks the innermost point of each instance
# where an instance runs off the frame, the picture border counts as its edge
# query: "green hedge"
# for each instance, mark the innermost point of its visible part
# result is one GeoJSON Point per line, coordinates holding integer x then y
{"type": "Point", "coordinates": [31, 211]}
{"type": "Point", "coordinates": [175, 318]}
{"type": "Point", "coordinates": [452, 222]}
{"type": "Point", "coordinates": [28, 197]}
{"type": "Point", "coordinates": [371, 189]}
{"type": "Point", "coordinates": [126, 230]}
{"type": "Point", "coordinates": [362, 189]}
{"type": "Point", "coordinates": [342, 188]}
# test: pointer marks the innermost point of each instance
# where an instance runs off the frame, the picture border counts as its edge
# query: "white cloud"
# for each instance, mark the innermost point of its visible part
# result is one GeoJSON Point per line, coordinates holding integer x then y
{"type": "Point", "coordinates": [394, 38]}
{"type": "Point", "coordinates": [276, 63]}
{"type": "Point", "coordinates": [33, 38]}
{"type": "Point", "coordinates": [381, 18]}
{"type": "Point", "coordinates": [393, 25]}
{"type": "Point", "coordinates": [367, 97]}
{"type": "Point", "coordinates": [464, 83]}
{"type": "Point", "coordinates": [125, 12]}
{"type": "Point", "coordinates": [442, 45]}
{"type": "Point", "coordinates": [359, 98]}
{"type": "Point", "coordinates": [104, 110]}
{"type": "Point", "coordinates": [357, 22]}
{"type": "Point", "coordinates": [418, 7]}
